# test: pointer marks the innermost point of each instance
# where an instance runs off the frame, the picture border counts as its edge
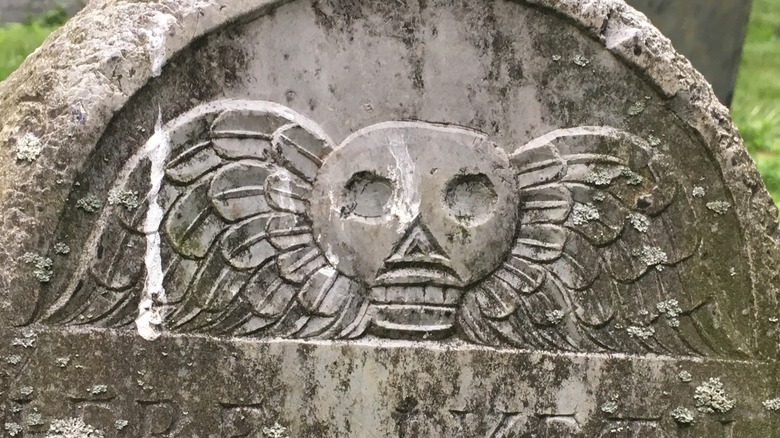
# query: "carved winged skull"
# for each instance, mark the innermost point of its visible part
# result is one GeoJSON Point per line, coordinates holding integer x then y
{"type": "Point", "coordinates": [408, 230]}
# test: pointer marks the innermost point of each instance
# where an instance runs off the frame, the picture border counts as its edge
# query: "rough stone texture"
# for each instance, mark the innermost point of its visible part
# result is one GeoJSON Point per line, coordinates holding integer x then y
{"type": "Point", "coordinates": [439, 218]}
{"type": "Point", "coordinates": [14, 11]}
{"type": "Point", "coordinates": [710, 33]}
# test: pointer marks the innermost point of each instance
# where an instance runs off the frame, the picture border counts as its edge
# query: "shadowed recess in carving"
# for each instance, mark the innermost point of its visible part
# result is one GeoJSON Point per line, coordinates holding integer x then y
{"type": "Point", "coordinates": [470, 198]}
{"type": "Point", "coordinates": [367, 195]}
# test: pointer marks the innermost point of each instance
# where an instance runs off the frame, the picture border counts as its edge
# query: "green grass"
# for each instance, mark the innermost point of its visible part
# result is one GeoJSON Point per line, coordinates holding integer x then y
{"type": "Point", "coordinates": [17, 40]}
{"type": "Point", "coordinates": [756, 106]}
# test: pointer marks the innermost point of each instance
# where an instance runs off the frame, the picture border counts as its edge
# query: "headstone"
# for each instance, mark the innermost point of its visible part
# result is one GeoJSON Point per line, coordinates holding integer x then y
{"type": "Point", "coordinates": [710, 33]}
{"type": "Point", "coordinates": [350, 219]}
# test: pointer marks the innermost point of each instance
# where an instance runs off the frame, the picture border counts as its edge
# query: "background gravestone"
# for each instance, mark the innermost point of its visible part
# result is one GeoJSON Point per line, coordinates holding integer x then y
{"type": "Point", "coordinates": [343, 218]}
{"type": "Point", "coordinates": [708, 32]}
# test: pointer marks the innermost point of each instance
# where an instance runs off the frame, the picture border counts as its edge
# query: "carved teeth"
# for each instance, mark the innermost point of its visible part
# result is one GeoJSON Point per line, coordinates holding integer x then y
{"type": "Point", "coordinates": [435, 295]}
{"type": "Point", "coordinates": [405, 321]}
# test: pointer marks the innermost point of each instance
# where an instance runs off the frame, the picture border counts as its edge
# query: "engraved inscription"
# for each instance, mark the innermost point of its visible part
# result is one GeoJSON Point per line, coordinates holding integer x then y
{"type": "Point", "coordinates": [159, 418]}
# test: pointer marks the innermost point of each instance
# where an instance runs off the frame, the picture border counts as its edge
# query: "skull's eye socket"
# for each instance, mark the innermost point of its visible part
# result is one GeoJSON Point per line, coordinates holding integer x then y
{"type": "Point", "coordinates": [367, 194]}
{"type": "Point", "coordinates": [470, 198]}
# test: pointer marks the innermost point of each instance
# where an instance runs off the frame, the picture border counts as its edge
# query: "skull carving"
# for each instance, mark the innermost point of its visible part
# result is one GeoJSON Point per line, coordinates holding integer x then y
{"type": "Point", "coordinates": [416, 212]}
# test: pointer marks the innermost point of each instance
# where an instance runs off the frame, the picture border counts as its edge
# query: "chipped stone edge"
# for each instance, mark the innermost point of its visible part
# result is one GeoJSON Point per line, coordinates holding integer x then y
{"type": "Point", "coordinates": [164, 27]}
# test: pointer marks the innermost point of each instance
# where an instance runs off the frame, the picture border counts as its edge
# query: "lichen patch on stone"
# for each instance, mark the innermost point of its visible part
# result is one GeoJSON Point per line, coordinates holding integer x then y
{"type": "Point", "coordinates": [580, 60]}
{"type": "Point", "coordinates": [72, 428]}
{"type": "Point", "coordinates": [637, 108]}
{"type": "Point", "coordinates": [28, 148]}
{"type": "Point", "coordinates": [13, 429]}
{"type": "Point", "coordinates": [640, 332]}
{"type": "Point", "coordinates": [772, 405]}
{"type": "Point", "coordinates": [599, 178]}
{"type": "Point", "coordinates": [671, 310]}
{"type": "Point", "coordinates": [34, 419]}
{"type": "Point", "coordinates": [719, 207]}
{"type": "Point", "coordinates": [651, 255]}
{"type": "Point", "coordinates": [126, 198]}
{"type": "Point", "coordinates": [653, 140]}
{"type": "Point", "coordinates": [90, 204]}
{"type": "Point", "coordinates": [581, 214]}
{"type": "Point", "coordinates": [639, 221]}
{"type": "Point", "coordinates": [632, 178]}
{"type": "Point", "coordinates": [61, 248]}
{"type": "Point", "coordinates": [98, 389]}
{"type": "Point", "coordinates": [43, 267]}
{"type": "Point", "coordinates": [554, 317]}
{"type": "Point", "coordinates": [609, 407]}
{"type": "Point", "coordinates": [27, 341]}
{"type": "Point", "coordinates": [275, 431]}
{"type": "Point", "coordinates": [710, 397]}
{"type": "Point", "coordinates": [683, 415]}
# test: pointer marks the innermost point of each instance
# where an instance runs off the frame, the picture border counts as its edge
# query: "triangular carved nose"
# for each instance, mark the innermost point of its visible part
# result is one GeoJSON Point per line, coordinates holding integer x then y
{"type": "Point", "coordinates": [418, 259]}
{"type": "Point", "coordinates": [417, 244]}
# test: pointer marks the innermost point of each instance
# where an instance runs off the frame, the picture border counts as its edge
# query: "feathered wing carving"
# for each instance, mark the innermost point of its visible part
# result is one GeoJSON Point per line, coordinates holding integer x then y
{"type": "Point", "coordinates": [603, 227]}
{"type": "Point", "coordinates": [237, 248]}
{"type": "Point", "coordinates": [598, 261]}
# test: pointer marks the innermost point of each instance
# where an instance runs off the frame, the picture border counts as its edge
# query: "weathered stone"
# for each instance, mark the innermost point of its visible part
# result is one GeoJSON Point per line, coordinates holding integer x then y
{"type": "Point", "coordinates": [341, 218]}
{"type": "Point", "coordinates": [710, 33]}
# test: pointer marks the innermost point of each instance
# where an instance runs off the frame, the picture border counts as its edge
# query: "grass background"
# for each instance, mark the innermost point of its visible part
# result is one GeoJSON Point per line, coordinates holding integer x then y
{"type": "Point", "coordinates": [756, 106]}
{"type": "Point", "coordinates": [755, 109]}
{"type": "Point", "coordinates": [18, 40]}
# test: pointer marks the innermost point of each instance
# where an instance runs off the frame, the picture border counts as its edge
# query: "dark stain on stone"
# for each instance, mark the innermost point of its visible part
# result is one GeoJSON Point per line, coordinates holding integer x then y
{"type": "Point", "coordinates": [289, 96]}
{"type": "Point", "coordinates": [403, 412]}
{"type": "Point", "coordinates": [516, 71]}
{"type": "Point", "coordinates": [637, 45]}
{"type": "Point", "coordinates": [417, 73]}
{"type": "Point", "coordinates": [644, 202]}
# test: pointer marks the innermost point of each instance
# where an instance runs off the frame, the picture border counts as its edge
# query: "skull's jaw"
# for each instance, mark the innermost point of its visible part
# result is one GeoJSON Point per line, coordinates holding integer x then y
{"type": "Point", "coordinates": [413, 312]}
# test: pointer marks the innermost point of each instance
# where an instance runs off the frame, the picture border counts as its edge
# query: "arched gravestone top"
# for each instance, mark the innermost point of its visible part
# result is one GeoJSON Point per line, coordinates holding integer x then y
{"type": "Point", "coordinates": [504, 217]}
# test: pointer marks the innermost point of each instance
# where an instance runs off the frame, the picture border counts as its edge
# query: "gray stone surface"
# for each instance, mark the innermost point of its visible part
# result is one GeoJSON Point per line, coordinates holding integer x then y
{"type": "Point", "coordinates": [15, 11]}
{"type": "Point", "coordinates": [342, 218]}
{"type": "Point", "coordinates": [710, 33]}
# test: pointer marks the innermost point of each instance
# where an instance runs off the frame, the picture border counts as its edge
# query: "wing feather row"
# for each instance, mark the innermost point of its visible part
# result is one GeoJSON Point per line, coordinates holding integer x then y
{"type": "Point", "coordinates": [595, 256]}
{"type": "Point", "coordinates": [237, 248]}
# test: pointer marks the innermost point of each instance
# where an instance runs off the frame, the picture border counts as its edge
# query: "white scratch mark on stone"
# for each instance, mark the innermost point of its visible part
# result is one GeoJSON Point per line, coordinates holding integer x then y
{"type": "Point", "coordinates": [406, 199]}
{"type": "Point", "coordinates": [156, 149]}
{"type": "Point", "coordinates": [333, 258]}
{"type": "Point", "coordinates": [285, 199]}
{"type": "Point", "coordinates": [156, 36]}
